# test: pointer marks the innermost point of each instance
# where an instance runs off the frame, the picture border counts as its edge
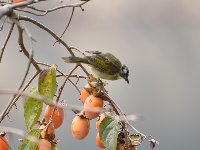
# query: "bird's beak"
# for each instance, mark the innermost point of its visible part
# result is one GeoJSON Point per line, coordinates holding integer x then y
{"type": "Point", "coordinates": [126, 79]}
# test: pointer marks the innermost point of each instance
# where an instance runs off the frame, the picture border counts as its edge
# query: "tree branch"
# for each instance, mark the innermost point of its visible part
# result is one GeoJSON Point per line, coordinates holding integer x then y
{"type": "Point", "coordinates": [22, 47]}
{"type": "Point", "coordinates": [15, 98]}
{"type": "Point", "coordinates": [6, 41]}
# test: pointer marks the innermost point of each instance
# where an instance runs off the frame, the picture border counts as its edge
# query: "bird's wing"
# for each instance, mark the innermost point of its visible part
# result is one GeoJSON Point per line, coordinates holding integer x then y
{"type": "Point", "coordinates": [113, 60]}
{"type": "Point", "coordinates": [94, 52]}
{"type": "Point", "coordinates": [103, 63]}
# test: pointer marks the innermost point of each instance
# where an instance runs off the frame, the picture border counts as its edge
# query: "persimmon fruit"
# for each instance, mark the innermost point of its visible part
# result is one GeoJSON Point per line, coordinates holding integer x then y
{"type": "Point", "coordinates": [58, 116]}
{"type": "Point", "coordinates": [80, 127]}
{"type": "Point", "coordinates": [98, 142]}
{"type": "Point", "coordinates": [4, 143]}
{"type": "Point", "coordinates": [99, 119]}
{"type": "Point", "coordinates": [44, 145]}
{"type": "Point", "coordinates": [85, 93]}
{"type": "Point", "coordinates": [93, 102]}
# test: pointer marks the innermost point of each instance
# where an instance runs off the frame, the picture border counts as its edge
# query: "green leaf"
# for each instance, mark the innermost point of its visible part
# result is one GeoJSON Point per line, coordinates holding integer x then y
{"type": "Point", "coordinates": [47, 82]}
{"type": "Point", "coordinates": [109, 129]}
{"type": "Point", "coordinates": [27, 144]}
{"type": "Point", "coordinates": [32, 109]}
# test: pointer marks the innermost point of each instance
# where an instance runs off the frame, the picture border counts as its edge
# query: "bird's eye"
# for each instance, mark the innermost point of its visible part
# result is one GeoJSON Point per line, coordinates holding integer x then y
{"type": "Point", "coordinates": [125, 70]}
{"type": "Point", "coordinates": [125, 73]}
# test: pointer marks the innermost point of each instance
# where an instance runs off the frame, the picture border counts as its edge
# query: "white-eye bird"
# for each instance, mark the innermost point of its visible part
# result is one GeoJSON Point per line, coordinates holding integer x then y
{"type": "Point", "coordinates": [104, 65]}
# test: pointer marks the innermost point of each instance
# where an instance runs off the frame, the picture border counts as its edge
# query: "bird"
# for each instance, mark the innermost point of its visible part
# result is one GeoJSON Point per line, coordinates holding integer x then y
{"type": "Point", "coordinates": [103, 65]}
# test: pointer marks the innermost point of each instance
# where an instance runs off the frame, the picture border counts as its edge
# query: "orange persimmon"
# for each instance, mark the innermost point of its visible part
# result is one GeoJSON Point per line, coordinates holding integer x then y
{"type": "Point", "coordinates": [58, 115]}
{"type": "Point", "coordinates": [4, 143]}
{"type": "Point", "coordinates": [98, 142]}
{"type": "Point", "coordinates": [90, 104]}
{"type": "Point", "coordinates": [44, 145]}
{"type": "Point", "coordinates": [80, 127]}
{"type": "Point", "coordinates": [99, 119]}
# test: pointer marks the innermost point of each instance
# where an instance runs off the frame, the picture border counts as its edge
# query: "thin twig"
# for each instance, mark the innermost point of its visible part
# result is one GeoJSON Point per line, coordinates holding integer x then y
{"type": "Point", "coordinates": [64, 6]}
{"type": "Point", "coordinates": [45, 12]}
{"type": "Point", "coordinates": [73, 75]}
{"type": "Point", "coordinates": [22, 28]}
{"type": "Point", "coordinates": [63, 85]}
{"type": "Point", "coordinates": [19, 132]}
{"type": "Point", "coordinates": [47, 101]}
{"type": "Point", "coordinates": [47, 30]}
{"type": "Point", "coordinates": [86, 72]}
{"type": "Point", "coordinates": [1, 28]}
{"type": "Point", "coordinates": [53, 35]}
{"type": "Point", "coordinates": [121, 114]}
{"type": "Point", "coordinates": [6, 41]}
{"type": "Point", "coordinates": [62, 74]}
{"type": "Point", "coordinates": [125, 122]}
{"type": "Point", "coordinates": [16, 97]}
{"type": "Point", "coordinates": [67, 25]}
{"type": "Point", "coordinates": [22, 47]}
{"type": "Point", "coordinates": [77, 49]}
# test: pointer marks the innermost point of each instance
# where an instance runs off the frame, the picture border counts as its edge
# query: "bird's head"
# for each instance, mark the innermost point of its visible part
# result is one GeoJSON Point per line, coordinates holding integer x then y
{"type": "Point", "coordinates": [125, 73]}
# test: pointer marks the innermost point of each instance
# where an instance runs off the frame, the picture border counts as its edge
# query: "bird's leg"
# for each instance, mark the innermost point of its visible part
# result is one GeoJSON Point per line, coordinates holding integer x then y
{"type": "Point", "coordinates": [101, 85]}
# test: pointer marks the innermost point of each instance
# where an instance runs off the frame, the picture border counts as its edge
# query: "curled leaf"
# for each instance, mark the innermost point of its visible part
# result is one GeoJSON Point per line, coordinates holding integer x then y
{"type": "Point", "coordinates": [47, 82]}
{"type": "Point", "coordinates": [153, 143]}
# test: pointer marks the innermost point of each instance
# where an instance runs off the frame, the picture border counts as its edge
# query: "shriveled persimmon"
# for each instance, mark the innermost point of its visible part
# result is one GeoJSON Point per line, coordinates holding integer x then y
{"type": "Point", "coordinates": [99, 119]}
{"type": "Point", "coordinates": [19, 1]}
{"type": "Point", "coordinates": [80, 127]}
{"type": "Point", "coordinates": [58, 116]}
{"type": "Point", "coordinates": [99, 143]}
{"type": "Point", "coordinates": [92, 106]}
{"type": "Point", "coordinates": [121, 146]}
{"type": "Point", "coordinates": [4, 143]}
{"type": "Point", "coordinates": [44, 145]}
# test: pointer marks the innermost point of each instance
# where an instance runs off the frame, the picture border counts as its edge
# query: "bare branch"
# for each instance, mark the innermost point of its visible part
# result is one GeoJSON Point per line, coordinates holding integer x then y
{"type": "Point", "coordinates": [47, 30]}
{"type": "Point", "coordinates": [6, 41]}
{"type": "Point", "coordinates": [21, 44]}
{"type": "Point", "coordinates": [30, 39]}
{"type": "Point", "coordinates": [53, 35]}
{"type": "Point", "coordinates": [47, 101]}
{"type": "Point", "coordinates": [62, 74]}
{"type": "Point", "coordinates": [1, 28]}
{"type": "Point", "coordinates": [65, 6]}
{"type": "Point", "coordinates": [63, 85]}
{"type": "Point", "coordinates": [15, 98]}
{"type": "Point", "coordinates": [19, 132]}
{"type": "Point", "coordinates": [77, 49]}
{"type": "Point", "coordinates": [5, 10]}
{"type": "Point", "coordinates": [21, 28]}
{"type": "Point", "coordinates": [67, 25]}
{"type": "Point", "coordinates": [119, 112]}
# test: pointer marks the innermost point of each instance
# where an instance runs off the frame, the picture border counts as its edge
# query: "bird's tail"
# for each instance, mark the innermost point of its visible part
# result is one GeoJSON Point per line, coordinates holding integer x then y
{"type": "Point", "coordinates": [73, 59]}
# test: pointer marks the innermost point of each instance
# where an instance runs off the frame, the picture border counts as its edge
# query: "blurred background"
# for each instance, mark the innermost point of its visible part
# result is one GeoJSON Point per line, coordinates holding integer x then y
{"type": "Point", "coordinates": [158, 40]}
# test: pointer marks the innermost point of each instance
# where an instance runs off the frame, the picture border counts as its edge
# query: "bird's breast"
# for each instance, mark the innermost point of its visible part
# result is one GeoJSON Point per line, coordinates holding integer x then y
{"type": "Point", "coordinates": [103, 75]}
